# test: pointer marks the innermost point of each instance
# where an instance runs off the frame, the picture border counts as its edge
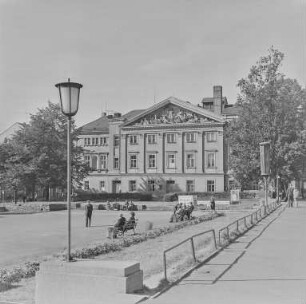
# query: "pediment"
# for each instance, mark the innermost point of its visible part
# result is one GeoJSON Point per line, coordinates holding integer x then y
{"type": "Point", "coordinates": [171, 112]}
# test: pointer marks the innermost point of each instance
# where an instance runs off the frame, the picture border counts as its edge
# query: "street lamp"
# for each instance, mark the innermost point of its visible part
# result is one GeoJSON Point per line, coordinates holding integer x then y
{"type": "Point", "coordinates": [69, 93]}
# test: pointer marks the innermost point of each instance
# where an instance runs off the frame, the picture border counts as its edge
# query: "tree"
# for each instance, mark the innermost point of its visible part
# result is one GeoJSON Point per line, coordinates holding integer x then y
{"type": "Point", "coordinates": [269, 104]}
{"type": "Point", "coordinates": [38, 153]}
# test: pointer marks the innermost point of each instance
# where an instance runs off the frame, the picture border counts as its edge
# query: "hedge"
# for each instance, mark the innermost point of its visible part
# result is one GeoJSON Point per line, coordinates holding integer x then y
{"type": "Point", "coordinates": [103, 196]}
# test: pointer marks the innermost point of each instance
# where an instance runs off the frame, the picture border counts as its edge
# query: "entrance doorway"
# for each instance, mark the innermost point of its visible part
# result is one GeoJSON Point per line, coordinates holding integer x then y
{"type": "Point", "coordinates": [116, 186]}
{"type": "Point", "coordinates": [170, 186]}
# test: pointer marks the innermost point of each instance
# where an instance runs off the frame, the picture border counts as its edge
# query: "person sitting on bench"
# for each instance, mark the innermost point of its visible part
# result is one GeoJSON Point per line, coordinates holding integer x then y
{"type": "Point", "coordinates": [120, 223]}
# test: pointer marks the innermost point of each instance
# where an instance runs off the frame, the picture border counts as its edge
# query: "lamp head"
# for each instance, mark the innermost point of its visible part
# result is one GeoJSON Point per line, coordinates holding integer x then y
{"type": "Point", "coordinates": [69, 97]}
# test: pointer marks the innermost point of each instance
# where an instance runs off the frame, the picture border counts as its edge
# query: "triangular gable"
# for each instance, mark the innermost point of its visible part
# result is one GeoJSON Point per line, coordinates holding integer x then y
{"type": "Point", "coordinates": [174, 111]}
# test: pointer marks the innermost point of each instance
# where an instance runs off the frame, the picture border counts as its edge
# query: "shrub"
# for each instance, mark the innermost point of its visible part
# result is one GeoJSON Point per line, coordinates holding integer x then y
{"type": "Point", "coordinates": [82, 195]}
{"type": "Point", "coordinates": [170, 197]}
{"type": "Point", "coordinates": [101, 207]}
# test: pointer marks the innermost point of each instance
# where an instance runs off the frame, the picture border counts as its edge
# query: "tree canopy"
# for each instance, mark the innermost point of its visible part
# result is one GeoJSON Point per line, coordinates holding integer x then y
{"type": "Point", "coordinates": [36, 156]}
{"type": "Point", "coordinates": [270, 111]}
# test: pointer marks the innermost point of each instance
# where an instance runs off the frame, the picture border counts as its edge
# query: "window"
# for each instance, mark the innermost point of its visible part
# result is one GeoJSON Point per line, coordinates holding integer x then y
{"type": "Point", "coordinates": [87, 159]}
{"type": "Point", "coordinates": [152, 160]}
{"type": "Point", "coordinates": [85, 142]}
{"type": "Point", "coordinates": [190, 161]}
{"type": "Point", "coordinates": [210, 186]}
{"type": "Point", "coordinates": [94, 162]}
{"type": "Point", "coordinates": [190, 186]}
{"type": "Point", "coordinates": [211, 136]}
{"type": "Point", "coordinates": [96, 141]}
{"type": "Point", "coordinates": [171, 138]}
{"type": "Point", "coordinates": [86, 185]}
{"type": "Point", "coordinates": [211, 160]}
{"type": "Point", "coordinates": [103, 162]}
{"type": "Point", "coordinates": [93, 141]}
{"type": "Point", "coordinates": [102, 185]}
{"type": "Point", "coordinates": [152, 185]}
{"type": "Point", "coordinates": [116, 140]}
{"type": "Point", "coordinates": [151, 138]}
{"type": "Point", "coordinates": [103, 141]}
{"type": "Point", "coordinates": [133, 139]}
{"type": "Point", "coordinates": [133, 161]}
{"type": "Point", "coordinates": [190, 137]}
{"type": "Point", "coordinates": [171, 161]}
{"type": "Point", "coordinates": [116, 163]}
{"type": "Point", "coordinates": [132, 185]}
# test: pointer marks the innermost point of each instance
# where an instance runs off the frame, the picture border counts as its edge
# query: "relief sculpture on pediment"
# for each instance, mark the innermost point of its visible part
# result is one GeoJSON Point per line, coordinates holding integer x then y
{"type": "Point", "coordinates": [171, 115]}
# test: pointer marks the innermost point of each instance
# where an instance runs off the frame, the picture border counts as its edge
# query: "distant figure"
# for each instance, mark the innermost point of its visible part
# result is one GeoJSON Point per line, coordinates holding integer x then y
{"type": "Point", "coordinates": [295, 196]}
{"type": "Point", "coordinates": [212, 203]}
{"type": "Point", "coordinates": [290, 196]}
{"type": "Point", "coordinates": [88, 213]}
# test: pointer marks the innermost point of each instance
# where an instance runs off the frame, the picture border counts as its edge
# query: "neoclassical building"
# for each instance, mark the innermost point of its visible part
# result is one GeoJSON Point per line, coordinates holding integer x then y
{"type": "Point", "coordinates": [174, 146]}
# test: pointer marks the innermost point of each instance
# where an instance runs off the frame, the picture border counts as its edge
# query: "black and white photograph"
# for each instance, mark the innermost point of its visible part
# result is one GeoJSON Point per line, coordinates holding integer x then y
{"type": "Point", "coordinates": [152, 151]}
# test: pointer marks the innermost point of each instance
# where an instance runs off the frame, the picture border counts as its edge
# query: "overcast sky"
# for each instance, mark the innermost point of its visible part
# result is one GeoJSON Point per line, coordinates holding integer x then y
{"type": "Point", "coordinates": [129, 53]}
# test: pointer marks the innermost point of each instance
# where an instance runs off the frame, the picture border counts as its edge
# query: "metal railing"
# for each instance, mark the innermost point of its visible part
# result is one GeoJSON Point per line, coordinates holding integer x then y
{"type": "Point", "coordinates": [193, 251]}
{"type": "Point", "coordinates": [255, 217]}
{"type": "Point", "coordinates": [245, 222]}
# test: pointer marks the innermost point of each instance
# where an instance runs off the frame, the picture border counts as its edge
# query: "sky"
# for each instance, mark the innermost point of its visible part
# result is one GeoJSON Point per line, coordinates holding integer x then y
{"type": "Point", "coordinates": [131, 54]}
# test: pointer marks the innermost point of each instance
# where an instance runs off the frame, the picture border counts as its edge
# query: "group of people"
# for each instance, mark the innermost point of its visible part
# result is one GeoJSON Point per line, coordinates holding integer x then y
{"type": "Point", "coordinates": [121, 223]}
{"type": "Point", "coordinates": [181, 212]}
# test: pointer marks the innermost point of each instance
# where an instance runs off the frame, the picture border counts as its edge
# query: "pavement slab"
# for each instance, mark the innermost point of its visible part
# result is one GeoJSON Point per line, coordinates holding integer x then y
{"type": "Point", "coordinates": [270, 269]}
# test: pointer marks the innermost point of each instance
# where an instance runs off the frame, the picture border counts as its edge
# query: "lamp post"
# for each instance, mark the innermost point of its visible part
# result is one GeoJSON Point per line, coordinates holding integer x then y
{"type": "Point", "coordinates": [69, 93]}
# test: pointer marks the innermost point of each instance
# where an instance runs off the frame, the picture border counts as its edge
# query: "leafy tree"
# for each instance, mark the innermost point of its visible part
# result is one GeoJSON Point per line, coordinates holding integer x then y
{"type": "Point", "coordinates": [269, 112]}
{"type": "Point", "coordinates": [37, 153]}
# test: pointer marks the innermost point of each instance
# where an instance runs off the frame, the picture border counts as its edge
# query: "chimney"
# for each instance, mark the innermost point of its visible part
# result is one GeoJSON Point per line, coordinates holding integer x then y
{"type": "Point", "coordinates": [218, 99]}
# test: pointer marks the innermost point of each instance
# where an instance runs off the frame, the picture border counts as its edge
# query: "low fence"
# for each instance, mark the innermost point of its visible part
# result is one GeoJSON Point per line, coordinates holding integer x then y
{"type": "Point", "coordinates": [239, 226]}
{"type": "Point", "coordinates": [193, 248]}
{"type": "Point", "coordinates": [228, 233]}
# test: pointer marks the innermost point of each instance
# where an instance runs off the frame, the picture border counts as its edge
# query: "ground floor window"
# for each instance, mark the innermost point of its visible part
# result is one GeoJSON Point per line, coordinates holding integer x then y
{"type": "Point", "coordinates": [170, 186]}
{"type": "Point", "coordinates": [152, 186]}
{"type": "Point", "coordinates": [102, 185]}
{"type": "Point", "coordinates": [210, 186]}
{"type": "Point", "coordinates": [190, 186]}
{"type": "Point", "coordinates": [132, 185]}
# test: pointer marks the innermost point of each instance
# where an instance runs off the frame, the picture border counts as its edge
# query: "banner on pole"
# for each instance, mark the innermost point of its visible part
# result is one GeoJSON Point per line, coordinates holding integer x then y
{"type": "Point", "coordinates": [265, 158]}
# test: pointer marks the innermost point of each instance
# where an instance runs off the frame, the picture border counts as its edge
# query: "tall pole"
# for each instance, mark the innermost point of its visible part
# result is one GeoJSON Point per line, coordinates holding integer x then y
{"type": "Point", "coordinates": [266, 191]}
{"type": "Point", "coordinates": [69, 185]}
{"type": "Point", "coordinates": [277, 188]}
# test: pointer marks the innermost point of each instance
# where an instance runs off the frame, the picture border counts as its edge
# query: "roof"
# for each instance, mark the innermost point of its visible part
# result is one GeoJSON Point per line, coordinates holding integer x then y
{"type": "Point", "coordinates": [100, 125]}
{"type": "Point", "coordinates": [211, 99]}
{"type": "Point", "coordinates": [131, 114]}
{"type": "Point", "coordinates": [231, 111]}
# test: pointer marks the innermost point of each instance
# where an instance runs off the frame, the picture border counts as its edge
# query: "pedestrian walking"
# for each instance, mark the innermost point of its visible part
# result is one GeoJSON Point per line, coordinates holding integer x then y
{"type": "Point", "coordinates": [88, 213]}
{"type": "Point", "coordinates": [290, 197]}
{"type": "Point", "coordinates": [295, 196]}
{"type": "Point", "coordinates": [212, 203]}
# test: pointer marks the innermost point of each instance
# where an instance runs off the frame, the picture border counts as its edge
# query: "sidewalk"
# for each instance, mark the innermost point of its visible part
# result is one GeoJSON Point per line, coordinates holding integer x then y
{"type": "Point", "coordinates": [266, 265]}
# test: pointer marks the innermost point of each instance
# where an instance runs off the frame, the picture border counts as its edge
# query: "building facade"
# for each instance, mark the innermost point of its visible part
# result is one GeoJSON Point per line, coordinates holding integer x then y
{"type": "Point", "coordinates": [173, 146]}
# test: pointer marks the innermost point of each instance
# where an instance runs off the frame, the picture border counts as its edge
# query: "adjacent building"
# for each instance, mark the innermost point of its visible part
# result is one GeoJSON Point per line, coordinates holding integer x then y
{"type": "Point", "coordinates": [173, 146]}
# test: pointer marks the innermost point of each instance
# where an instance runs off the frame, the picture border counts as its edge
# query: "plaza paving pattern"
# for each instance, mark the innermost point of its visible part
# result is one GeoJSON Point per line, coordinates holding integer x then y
{"type": "Point", "coordinates": [267, 265]}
